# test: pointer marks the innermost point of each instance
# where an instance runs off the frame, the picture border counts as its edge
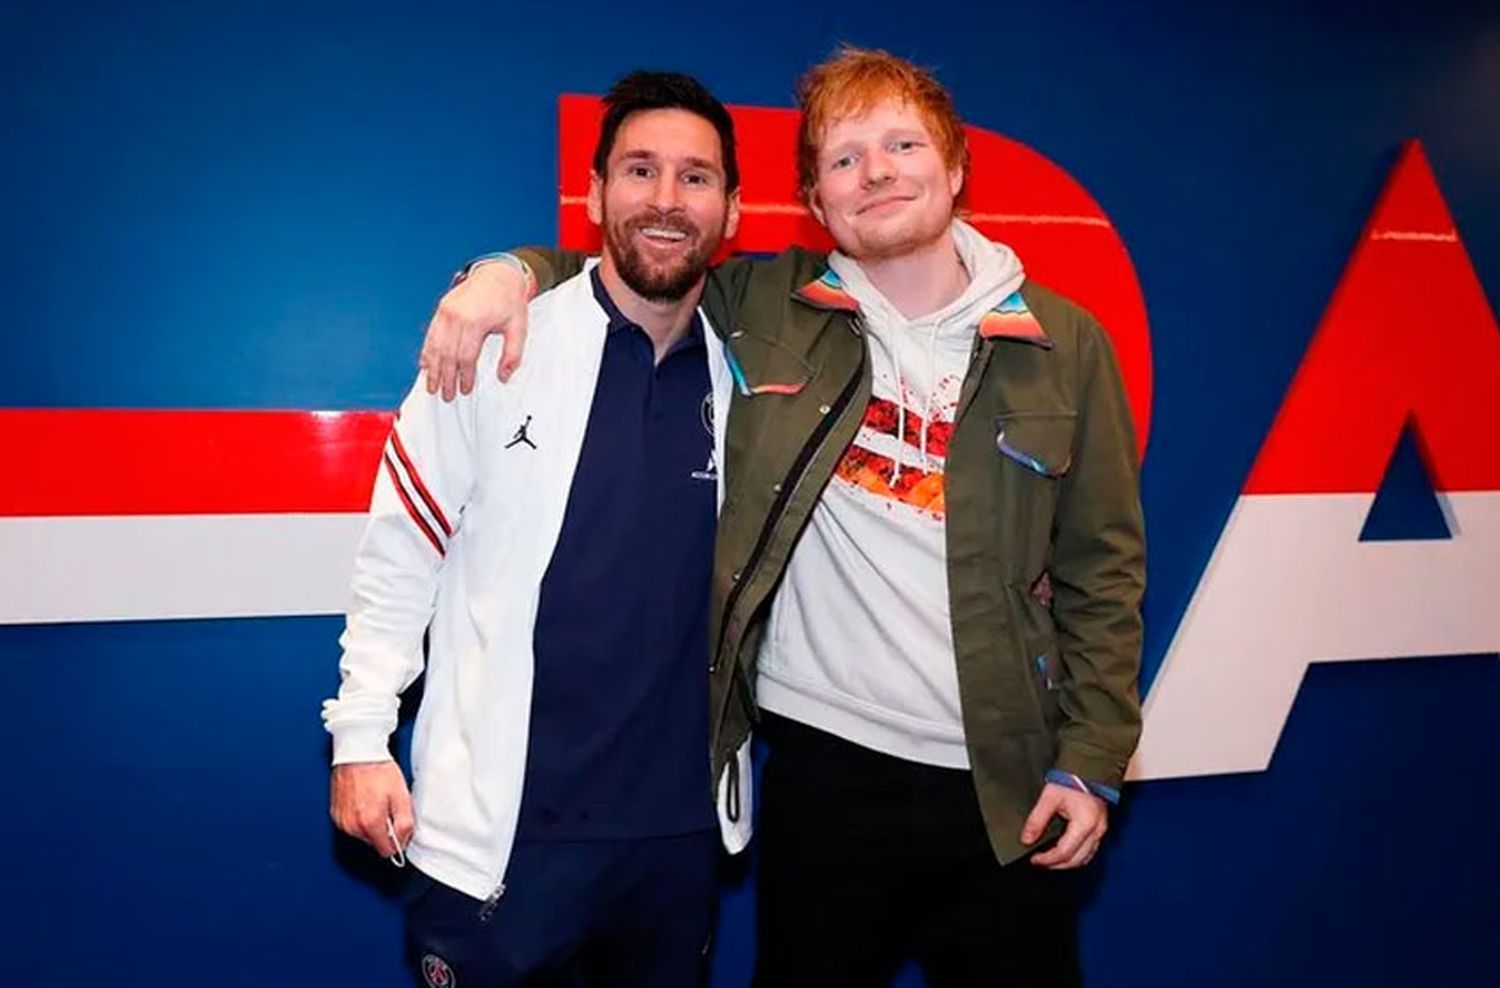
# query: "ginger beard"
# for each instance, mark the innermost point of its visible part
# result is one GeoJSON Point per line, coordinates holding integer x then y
{"type": "Point", "coordinates": [655, 280]}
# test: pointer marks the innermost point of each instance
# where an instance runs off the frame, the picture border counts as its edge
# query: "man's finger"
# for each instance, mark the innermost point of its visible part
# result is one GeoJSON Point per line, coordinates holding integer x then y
{"type": "Point", "coordinates": [1086, 852]}
{"type": "Point", "coordinates": [515, 343]}
{"type": "Point", "coordinates": [470, 345]}
{"type": "Point", "coordinates": [431, 362]}
{"type": "Point", "coordinates": [372, 827]}
{"type": "Point", "coordinates": [431, 359]}
{"type": "Point", "coordinates": [1068, 845]}
{"type": "Point", "coordinates": [401, 819]}
{"type": "Point", "coordinates": [1041, 814]}
{"type": "Point", "coordinates": [447, 375]}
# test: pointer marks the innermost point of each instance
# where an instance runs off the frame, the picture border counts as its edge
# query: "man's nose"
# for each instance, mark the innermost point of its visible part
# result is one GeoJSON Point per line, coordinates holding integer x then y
{"type": "Point", "coordinates": [666, 195]}
{"type": "Point", "coordinates": [878, 168]}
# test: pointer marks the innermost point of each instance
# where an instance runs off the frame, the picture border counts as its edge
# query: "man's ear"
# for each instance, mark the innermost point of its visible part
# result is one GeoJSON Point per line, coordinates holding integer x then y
{"type": "Point", "coordinates": [956, 181]}
{"type": "Point", "coordinates": [817, 208]}
{"type": "Point", "coordinates": [732, 215]}
{"type": "Point", "coordinates": [596, 199]}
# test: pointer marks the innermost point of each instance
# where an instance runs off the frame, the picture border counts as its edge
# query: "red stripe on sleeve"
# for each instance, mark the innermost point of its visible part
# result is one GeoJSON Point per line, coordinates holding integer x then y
{"type": "Point", "coordinates": [411, 508]}
{"type": "Point", "coordinates": [416, 480]}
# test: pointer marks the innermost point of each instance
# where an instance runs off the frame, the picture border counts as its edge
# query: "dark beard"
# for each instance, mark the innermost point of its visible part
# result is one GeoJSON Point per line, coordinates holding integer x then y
{"type": "Point", "coordinates": [655, 284]}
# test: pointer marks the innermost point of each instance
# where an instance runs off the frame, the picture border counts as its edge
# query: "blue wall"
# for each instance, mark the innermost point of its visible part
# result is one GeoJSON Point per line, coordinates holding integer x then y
{"type": "Point", "coordinates": [217, 205]}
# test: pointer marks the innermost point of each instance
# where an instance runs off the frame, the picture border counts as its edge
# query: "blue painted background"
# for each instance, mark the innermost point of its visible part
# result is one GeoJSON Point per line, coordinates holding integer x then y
{"type": "Point", "coordinates": [255, 205]}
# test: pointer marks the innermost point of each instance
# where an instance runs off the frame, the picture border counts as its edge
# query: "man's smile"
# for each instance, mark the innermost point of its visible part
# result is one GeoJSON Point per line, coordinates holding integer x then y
{"type": "Point", "coordinates": [883, 204]}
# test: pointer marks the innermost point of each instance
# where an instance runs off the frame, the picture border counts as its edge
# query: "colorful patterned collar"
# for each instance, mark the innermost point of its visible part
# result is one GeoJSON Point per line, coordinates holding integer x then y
{"type": "Point", "coordinates": [1011, 319]}
{"type": "Point", "coordinates": [827, 292]}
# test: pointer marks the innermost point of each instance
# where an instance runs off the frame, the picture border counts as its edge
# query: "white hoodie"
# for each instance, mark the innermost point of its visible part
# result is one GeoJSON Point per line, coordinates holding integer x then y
{"type": "Point", "coordinates": [860, 643]}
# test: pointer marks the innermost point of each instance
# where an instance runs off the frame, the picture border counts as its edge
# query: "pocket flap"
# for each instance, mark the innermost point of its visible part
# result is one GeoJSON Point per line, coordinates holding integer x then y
{"type": "Point", "coordinates": [763, 366]}
{"type": "Point", "coordinates": [1042, 442]}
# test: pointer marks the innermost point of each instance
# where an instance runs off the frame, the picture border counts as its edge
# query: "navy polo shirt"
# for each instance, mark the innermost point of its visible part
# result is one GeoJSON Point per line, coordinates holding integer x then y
{"type": "Point", "coordinates": [619, 711]}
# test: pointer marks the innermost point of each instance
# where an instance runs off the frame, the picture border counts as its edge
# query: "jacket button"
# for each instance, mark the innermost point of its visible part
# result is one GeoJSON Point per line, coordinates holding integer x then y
{"type": "Point", "coordinates": [823, 409]}
{"type": "Point", "coordinates": [735, 576]}
{"type": "Point", "coordinates": [776, 487]}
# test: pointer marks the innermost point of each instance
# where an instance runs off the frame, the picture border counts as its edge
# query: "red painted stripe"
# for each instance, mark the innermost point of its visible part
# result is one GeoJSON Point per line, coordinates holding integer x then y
{"type": "Point", "coordinates": [411, 508]}
{"type": "Point", "coordinates": [112, 462]}
{"type": "Point", "coordinates": [416, 480]}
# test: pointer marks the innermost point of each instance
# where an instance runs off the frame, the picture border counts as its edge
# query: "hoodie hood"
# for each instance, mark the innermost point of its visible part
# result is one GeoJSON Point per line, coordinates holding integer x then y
{"type": "Point", "coordinates": [995, 273]}
{"type": "Point", "coordinates": [928, 355]}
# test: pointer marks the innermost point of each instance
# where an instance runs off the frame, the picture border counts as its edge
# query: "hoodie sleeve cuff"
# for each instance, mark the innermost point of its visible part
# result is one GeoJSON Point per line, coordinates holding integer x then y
{"type": "Point", "coordinates": [1109, 794]}
{"type": "Point", "coordinates": [361, 744]}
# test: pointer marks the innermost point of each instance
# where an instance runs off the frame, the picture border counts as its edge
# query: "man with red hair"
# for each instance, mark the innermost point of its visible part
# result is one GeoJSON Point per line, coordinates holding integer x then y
{"type": "Point", "coordinates": [929, 562]}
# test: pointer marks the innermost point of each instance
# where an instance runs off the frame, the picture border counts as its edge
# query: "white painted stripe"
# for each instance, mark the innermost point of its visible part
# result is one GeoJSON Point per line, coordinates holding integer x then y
{"type": "Point", "coordinates": [1038, 219]}
{"type": "Point", "coordinates": [175, 566]}
{"type": "Point", "coordinates": [1419, 236]}
{"type": "Point", "coordinates": [1289, 584]}
{"type": "Point", "coordinates": [751, 208]}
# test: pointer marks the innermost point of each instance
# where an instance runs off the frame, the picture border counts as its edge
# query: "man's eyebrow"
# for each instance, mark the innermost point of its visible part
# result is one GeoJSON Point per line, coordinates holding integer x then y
{"type": "Point", "coordinates": [688, 161]}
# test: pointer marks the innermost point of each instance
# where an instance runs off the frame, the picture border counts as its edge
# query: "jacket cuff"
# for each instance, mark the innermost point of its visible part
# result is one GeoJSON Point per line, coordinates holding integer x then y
{"type": "Point", "coordinates": [1094, 765]}
{"type": "Point", "coordinates": [360, 744]}
{"type": "Point", "coordinates": [1109, 794]}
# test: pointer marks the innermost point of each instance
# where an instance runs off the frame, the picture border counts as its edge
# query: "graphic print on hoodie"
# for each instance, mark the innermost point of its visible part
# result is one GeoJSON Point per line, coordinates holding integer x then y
{"type": "Point", "coordinates": [887, 458]}
{"type": "Point", "coordinates": [859, 642]}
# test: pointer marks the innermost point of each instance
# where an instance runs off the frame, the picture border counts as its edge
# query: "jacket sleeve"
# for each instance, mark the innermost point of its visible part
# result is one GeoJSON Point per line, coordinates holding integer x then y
{"type": "Point", "coordinates": [724, 293]}
{"type": "Point", "coordinates": [422, 484]}
{"type": "Point", "coordinates": [1097, 574]}
{"type": "Point", "coordinates": [551, 267]}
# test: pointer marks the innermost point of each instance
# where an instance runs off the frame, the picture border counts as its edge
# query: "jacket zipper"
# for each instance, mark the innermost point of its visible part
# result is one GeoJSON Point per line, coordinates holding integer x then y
{"type": "Point", "coordinates": [487, 909]}
{"type": "Point", "coordinates": [788, 488]}
{"type": "Point", "coordinates": [799, 468]}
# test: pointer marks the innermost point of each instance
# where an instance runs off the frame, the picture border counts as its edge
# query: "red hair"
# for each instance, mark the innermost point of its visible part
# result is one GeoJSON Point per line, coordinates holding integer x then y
{"type": "Point", "coordinates": [853, 82]}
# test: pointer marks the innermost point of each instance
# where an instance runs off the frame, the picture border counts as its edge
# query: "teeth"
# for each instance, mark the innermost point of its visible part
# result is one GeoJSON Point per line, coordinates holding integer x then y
{"type": "Point", "coordinates": [659, 233]}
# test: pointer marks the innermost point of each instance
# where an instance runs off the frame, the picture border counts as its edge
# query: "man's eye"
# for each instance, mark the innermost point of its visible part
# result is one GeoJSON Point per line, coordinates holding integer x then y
{"type": "Point", "coordinates": [904, 145]}
{"type": "Point", "coordinates": [695, 178]}
{"type": "Point", "coordinates": [843, 162]}
{"type": "Point", "coordinates": [639, 171]}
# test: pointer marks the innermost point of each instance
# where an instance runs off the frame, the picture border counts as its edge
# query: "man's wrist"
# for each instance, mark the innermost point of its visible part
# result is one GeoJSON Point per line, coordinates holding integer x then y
{"type": "Point", "coordinates": [1068, 780]}
{"type": "Point", "coordinates": [500, 257]}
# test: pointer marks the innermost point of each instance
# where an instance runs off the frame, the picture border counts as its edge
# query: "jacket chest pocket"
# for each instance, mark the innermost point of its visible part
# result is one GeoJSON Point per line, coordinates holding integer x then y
{"type": "Point", "coordinates": [1040, 442]}
{"type": "Point", "coordinates": [1033, 453]}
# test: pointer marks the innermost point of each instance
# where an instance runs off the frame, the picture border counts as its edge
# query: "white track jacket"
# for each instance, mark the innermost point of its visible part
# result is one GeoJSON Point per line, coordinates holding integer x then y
{"type": "Point", "coordinates": [463, 522]}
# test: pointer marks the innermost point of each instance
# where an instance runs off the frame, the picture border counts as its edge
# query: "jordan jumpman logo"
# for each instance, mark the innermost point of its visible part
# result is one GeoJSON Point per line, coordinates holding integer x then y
{"type": "Point", "coordinates": [521, 436]}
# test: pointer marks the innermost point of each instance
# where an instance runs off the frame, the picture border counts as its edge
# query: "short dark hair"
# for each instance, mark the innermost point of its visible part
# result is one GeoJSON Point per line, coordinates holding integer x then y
{"type": "Point", "coordinates": [644, 90]}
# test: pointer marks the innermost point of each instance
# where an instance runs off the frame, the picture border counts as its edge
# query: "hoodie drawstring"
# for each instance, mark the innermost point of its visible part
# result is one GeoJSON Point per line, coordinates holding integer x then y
{"type": "Point", "coordinates": [928, 405]}
{"type": "Point", "coordinates": [900, 412]}
{"type": "Point", "coordinates": [932, 386]}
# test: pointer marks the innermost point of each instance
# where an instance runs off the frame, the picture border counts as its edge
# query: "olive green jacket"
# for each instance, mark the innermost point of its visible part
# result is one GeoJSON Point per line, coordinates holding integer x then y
{"type": "Point", "coordinates": [1045, 541]}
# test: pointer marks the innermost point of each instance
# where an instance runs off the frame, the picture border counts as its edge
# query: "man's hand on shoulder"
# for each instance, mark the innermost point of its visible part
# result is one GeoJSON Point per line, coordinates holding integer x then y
{"type": "Point", "coordinates": [490, 298]}
{"type": "Point", "coordinates": [368, 800]}
{"type": "Point", "coordinates": [1088, 819]}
